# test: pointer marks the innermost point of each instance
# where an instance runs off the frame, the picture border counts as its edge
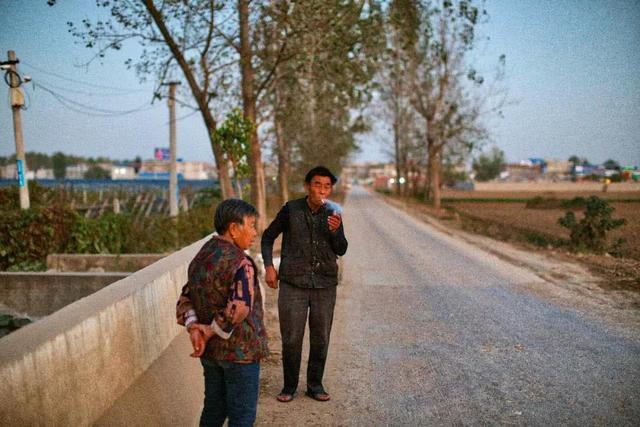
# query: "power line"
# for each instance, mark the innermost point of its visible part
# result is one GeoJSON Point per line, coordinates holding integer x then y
{"type": "Point", "coordinates": [82, 92]}
{"type": "Point", "coordinates": [185, 116]}
{"type": "Point", "coordinates": [80, 82]}
{"type": "Point", "coordinates": [93, 111]}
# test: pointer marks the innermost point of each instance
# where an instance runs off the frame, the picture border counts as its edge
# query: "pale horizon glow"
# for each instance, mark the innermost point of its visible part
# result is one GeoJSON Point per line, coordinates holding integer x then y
{"type": "Point", "coordinates": [571, 72]}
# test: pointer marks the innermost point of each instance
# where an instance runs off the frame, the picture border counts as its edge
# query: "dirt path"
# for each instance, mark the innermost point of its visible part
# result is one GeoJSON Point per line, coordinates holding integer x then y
{"type": "Point", "coordinates": [436, 328]}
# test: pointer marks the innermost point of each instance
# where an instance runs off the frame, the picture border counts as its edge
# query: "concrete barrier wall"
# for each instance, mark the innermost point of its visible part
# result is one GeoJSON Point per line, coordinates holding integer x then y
{"type": "Point", "coordinates": [557, 186]}
{"type": "Point", "coordinates": [71, 368]}
{"type": "Point", "coordinates": [101, 262]}
{"type": "Point", "coordinates": [40, 294]}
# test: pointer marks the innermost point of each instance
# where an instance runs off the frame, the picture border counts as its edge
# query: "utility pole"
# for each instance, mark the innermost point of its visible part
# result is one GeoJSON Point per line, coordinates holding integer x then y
{"type": "Point", "coordinates": [173, 168]}
{"type": "Point", "coordinates": [17, 101]}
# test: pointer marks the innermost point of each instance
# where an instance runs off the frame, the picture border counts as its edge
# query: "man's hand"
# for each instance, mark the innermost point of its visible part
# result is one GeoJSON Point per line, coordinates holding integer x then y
{"type": "Point", "coordinates": [271, 277]}
{"type": "Point", "coordinates": [198, 341]}
{"type": "Point", "coordinates": [334, 222]}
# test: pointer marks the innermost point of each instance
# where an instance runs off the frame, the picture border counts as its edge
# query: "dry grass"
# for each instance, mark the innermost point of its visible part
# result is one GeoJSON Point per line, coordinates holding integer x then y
{"type": "Point", "coordinates": [544, 222]}
{"type": "Point", "coordinates": [458, 194]}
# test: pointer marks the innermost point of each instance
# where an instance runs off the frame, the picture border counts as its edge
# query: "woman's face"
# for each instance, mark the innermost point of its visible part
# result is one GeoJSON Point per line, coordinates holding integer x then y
{"type": "Point", "coordinates": [244, 234]}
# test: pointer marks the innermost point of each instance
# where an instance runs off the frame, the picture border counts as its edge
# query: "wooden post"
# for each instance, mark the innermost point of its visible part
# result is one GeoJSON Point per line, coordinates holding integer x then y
{"type": "Point", "coordinates": [17, 101]}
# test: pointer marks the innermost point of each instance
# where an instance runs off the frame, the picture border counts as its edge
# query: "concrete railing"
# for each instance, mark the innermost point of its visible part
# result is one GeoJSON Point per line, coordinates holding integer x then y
{"type": "Point", "coordinates": [72, 367]}
{"type": "Point", "coordinates": [101, 262]}
{"type": "Point", "coordinates": [40, 294]}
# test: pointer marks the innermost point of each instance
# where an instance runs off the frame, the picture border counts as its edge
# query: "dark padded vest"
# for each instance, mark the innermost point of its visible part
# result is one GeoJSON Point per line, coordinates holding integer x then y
{"type": "Point", "coordinates": [307, 259]}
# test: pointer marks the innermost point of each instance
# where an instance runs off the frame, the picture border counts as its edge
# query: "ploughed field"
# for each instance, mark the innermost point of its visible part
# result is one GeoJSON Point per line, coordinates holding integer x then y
{"type": "Point", "coordinates": [510, 195]}
{"type": "Point", "coordinates": [509, 215]}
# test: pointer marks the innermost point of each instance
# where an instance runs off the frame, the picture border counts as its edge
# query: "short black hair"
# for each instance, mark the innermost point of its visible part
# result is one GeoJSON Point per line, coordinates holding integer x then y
{"type": "Point", "coordinates": [230, 211]}
{"type": "Point", "coordinates": [320, 171]}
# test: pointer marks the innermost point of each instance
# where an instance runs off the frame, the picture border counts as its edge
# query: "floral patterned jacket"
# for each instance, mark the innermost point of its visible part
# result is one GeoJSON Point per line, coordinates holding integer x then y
{"type": "Point", "coordinates": [217, 276]}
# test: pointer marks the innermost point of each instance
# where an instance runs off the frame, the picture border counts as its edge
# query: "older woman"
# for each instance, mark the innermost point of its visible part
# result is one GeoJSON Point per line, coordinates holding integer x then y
{"type": "Point", "coordinates": [221, 307]}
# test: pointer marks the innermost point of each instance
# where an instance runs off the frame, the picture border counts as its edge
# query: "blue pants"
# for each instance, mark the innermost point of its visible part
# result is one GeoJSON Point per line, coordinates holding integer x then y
{"type": "Point", "coordinates": [230, 390]}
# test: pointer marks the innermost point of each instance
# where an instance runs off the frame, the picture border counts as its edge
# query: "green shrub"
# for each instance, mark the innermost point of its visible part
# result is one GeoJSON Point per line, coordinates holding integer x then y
{"type": "Point", "coordinates": [28, 235]}
{"type": "Point", "coordinates": [619, 248]}
{"type": "Point", "coordinates": [39, 265]}
{"type": "Point", "coordinates": [109, 234]}
{"type": "Point", "coordinates": [575, 203]}
{"type": "Point", "coordinates": [207, 197]}
{"type": "Point", "coordinates": [195, 224]}
{"type": "Point", "coordinates": [537, 239]}
{"type": "Point", "coordinates": [540, 202]}
{"type": "Point", "coordinates": [590, 233]}
{"type": "Point", "coordinates": [39, 196]}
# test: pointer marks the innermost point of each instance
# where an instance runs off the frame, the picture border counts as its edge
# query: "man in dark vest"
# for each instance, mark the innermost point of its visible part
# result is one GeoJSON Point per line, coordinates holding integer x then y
{"type": "Point", "coordinates": [313, 238]}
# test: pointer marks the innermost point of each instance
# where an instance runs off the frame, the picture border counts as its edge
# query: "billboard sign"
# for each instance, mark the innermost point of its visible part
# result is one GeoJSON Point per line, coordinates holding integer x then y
{"type": "Point", "coordinates": [161, 154]}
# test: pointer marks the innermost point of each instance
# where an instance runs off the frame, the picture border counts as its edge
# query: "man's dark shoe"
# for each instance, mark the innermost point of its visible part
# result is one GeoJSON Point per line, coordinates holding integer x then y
{"type": "Point", "coordinates": [285, 397]}
{"type": "Point", "coordinates": [322, 396]}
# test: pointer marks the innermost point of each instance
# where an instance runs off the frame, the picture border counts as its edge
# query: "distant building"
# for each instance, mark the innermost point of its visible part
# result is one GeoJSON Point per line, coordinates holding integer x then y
{"type": "Point", "coordinates": [106, 166]}
{"type": "Point", "coordinates": [76, 171]}
{"type": "Point", "coordinates": [630, 174]}
{"type": "Point", "coordinates": [558, 170]}
{"type": "Point", "coordinates": [521, 172]}
{"type": "Point", "coordinates": [44, 174]}
{"type": "Point", "coordinates": [367, 172]}
{"type": "Point", "coordinates": [123, 172]}
{"type": "Point", "coordinates": [188, 170]}
{"type": "Point", "coordinates": [584, 171]}
{"type": "Point", "coordinates": [382, 182]}
{"type": "Point", "coordinates": [9, 171]}
{"type": "Point", "coordinates": [196, 170]}
{"type": "Point", "coordinates": [536, 161]}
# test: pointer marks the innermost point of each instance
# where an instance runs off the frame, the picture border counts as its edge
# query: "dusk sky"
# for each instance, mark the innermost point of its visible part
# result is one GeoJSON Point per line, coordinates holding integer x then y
{"type": "Point", "coordinates": [572, 74]}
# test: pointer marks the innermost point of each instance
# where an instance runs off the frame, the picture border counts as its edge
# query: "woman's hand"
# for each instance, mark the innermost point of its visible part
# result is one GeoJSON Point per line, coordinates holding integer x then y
{"type": "Point", "coordinates": [197, 338]}
{"type": "Point", "coordinates": [206, 331]}
{"type": "Point", "coordinates": [199, 335]}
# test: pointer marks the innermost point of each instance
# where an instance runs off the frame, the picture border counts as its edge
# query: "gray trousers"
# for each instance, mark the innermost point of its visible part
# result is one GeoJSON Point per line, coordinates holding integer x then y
{"type": "Point", "coordinates": [294, 303]}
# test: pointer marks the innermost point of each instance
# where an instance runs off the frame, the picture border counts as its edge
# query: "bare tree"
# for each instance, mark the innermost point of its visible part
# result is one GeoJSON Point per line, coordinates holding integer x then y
{"type": "Point", "coordinates": [327, 79]}
{"type": "Point", "coordinates": [444, 85]}
{"type": "Point", "coordinates": [176, 36]}
{"type": "Point", "coordinates": [395, 91]}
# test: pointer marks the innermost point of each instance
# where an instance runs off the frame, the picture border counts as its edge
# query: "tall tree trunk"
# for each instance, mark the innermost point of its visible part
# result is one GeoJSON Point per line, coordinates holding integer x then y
{"type": "Point", "coordinates": [258, 195]}
{"type": "Point", "coordinates": [427, 177]}
{"type": "Point", "coordinates": [311, 90]}
{"type": "Point", "coordinates": [405, 173]}
{"type": "Point", "coordinates": [417, 176]}
{"type": "Point", "coordinates": [435, 178]}
{"type": "Point", "coordinates": [431, 157]}
{"type": "Point", "coordinates": [282, 142]}
{"type": "Point", "coordinates": [396, 143]}
{"type": "Point", "coordinates": [283, 161]}
{"type": "Point", "coordinates": [199, 95]}
{"type": "Point", "coordinates": [221, 164]}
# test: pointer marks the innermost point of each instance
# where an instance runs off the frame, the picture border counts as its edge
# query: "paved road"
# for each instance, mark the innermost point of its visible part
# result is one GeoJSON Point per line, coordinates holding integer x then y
{"type": "Point", "coordinates": [432, 331]}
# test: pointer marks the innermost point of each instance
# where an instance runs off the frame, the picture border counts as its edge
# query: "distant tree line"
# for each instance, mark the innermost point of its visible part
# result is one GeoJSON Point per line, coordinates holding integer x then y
{"type": "Point", "coordinates": [59, 161]}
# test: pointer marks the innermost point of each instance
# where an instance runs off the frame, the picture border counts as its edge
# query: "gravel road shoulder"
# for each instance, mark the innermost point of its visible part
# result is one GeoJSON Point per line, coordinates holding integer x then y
{"type": "Point", "coordinates": [569, 283]}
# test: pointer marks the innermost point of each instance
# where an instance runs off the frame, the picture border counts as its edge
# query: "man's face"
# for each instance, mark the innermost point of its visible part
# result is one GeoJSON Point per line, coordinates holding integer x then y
{"type": "Point", "coordinates": [318, 189]}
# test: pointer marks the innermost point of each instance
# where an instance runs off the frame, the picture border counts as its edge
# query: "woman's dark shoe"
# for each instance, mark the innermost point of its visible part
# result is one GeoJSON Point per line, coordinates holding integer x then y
{"type": "Point", "coordinates": [323, 396]}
